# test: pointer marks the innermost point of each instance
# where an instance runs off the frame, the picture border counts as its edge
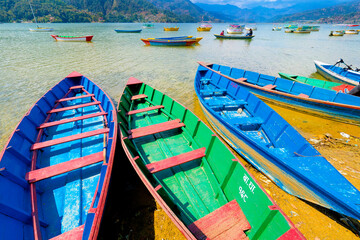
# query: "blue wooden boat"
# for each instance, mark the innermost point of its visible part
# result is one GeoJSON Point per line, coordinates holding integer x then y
{"type": "Point", "coordinates": [171, 42]}
{"type": "Point", "coordinates": [295, 95]}
{"type": "Point", "coordinates": [337, 73]}
{"type": "Point", "coordinates": [175, 38]}
{"type": "Point", "coordinates": [55, 168]}
{"type": "Point", "coordinates": [233, 36]}
{"type": "Point", "coordinates": [127, 31]}
{"type": "Point", "coordinates": [271, 144]}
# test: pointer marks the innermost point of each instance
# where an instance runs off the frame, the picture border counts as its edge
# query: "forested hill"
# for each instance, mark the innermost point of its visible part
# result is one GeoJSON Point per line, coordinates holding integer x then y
{"type": "Point", "coordinates": [344, 13]}
{"type": "Point", "coordinates": [102, 10]}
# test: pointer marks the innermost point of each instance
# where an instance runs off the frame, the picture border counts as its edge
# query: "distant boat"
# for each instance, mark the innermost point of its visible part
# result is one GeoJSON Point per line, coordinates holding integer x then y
{"type": "Point", "coordinates": [171, 42]}
{"type": "Point", "coordinates": [253, 28]}
{"type": "Point", "coordinates": [276, 28]}
{"type": "Point", "coordinates": [235, 29]}
{"type": "Point", "coordinates": [127, 31]}
{"type": "Point", "coordinates": [290, 26]}
{"type": "Point", "coordinates": [233, 37]}
{"type": "Point", "coordinates": [311, 28]}
{"type": "Point", "coordinates": [337, 33]}
{"type": "Point", "coordinates": [148, 25]}
{"type": "Point", "coordinates": [204, 28]}
{"type": "Point", "coordinates": [38, 29]}
{"type": "Point", "coordinates": [338, 87]}
{"type": "Point", "coordinates": [351, 31]}
{"type": "Point", "coordinates": [338, 74]}
{"type": "Point", "coordinates": [297, 30]}
{"type": "Point", "coordinates": [171, 28]}
{"type": "Point", "coordinates": [73, 38]}
{"type": "Point", "coordinates": [195, 178]}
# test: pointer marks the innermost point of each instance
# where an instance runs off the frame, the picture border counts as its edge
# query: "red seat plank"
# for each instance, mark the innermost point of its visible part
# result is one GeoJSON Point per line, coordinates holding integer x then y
{"type": "Point", "coordinates": [53, 142]}
{"type": "Point", "coordinates": [73, 98]}
{"type": "Point", "coordinates": [140, 96]}
{"type": "Point", "coordinates": [269, 87]}
{"type": "Point", "coordinates": [156, 128]}
{"type": "Point", "coordinates": [51, 124]}
{"type": "Point", "coordinates": [176, 160]}
{"type": "Point", "coordinates": [74, 234]}
{"type": "Point", "coordinates": [144, 110]}
{"type": "Point", "coordinates": [51, 171]}
{"type": "Point", "coordinates": [226, 221]}
{"type": "Point", "coordinates": [73, 107]}
{"type": "Point", "coordinates": [76, 87]}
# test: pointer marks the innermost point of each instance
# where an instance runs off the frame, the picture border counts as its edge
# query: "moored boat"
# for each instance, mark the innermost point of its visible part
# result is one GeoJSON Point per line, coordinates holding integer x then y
{"type": "Point", "coordinates": [192, 175]}
{"type": "Point", "coordinates": [204, 28]}
{"type": "Point", "coordinates": [345, 88]}
{"type": "Point", "coordinates": [73, 38]}
{"type": "Point", "coordinates": [148, 25]}
{"type": "Point", "coordinates": [233, 36]}
{"type": "Point", "coordinates": [171, 28]}
{"type": "Point", "coordinates": [337, 33]}
{"type": "Point", "coordinates": [235, 29]}
{"type": "Point", "coordinates": [127, 30]}
{"type": "Point", "coordinates": [269, 143]}
{"type": "Point", "coordinates": [276, 28]}
{"type": "Point", "coordinates": [41, 29]}
{"type": "Point", "coordinates": [302, 30]}
{"type": "Point", "coordinates": [55, 169]}
{"type": "Point", "coordinates": [351, 31]}
{"type": "Point", "coordinates": [171, 42]}
{"type": "Point", "coordinates": [295, 95]}
{"type": "Point", "coordinates": [291, 26]}
{"type": "Point", "coordinates": [337, 73]}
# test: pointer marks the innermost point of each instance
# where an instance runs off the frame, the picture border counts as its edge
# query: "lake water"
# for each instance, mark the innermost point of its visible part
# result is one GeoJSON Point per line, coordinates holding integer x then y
{"type": "Point", "coordinates": [32, 62]}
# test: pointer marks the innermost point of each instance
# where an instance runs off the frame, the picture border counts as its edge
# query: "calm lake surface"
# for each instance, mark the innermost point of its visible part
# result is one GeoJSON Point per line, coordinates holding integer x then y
{"type": "Point", "coordinates": [33, 62]}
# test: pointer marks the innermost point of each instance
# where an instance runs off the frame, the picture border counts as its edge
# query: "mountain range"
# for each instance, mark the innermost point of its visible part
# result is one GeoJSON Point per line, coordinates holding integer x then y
{"type": "Point", "coordinates": [173, 11]}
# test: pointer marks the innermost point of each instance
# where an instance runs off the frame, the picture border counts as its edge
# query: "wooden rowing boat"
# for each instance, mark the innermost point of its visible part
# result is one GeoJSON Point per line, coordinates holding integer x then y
{"type": "Point", "coordinates": [171, 42]}
{"type": "Point", "coordinates": [339, 87]}
{"type": "Point", "coordinates": [271, 144]}
{"type": "Point", "coordinates": [55, 168]}
{"type": "Point", "coordinates": [233, 36]}
{"type": "Point", "coordinates": [127, 30]}
{"type": "Point", "coordinates": [337, 33]}
{"type": "Point", "coordinates": [337, 74]}
{"type": "Point", "coordinates": [41, 29]}
{"type": "Point", "coordinates": [204, 28]}
{"type": "Point", "coordinates": [171, 28]}
{"type": "Point", "coordinates": [73, 38]}
{"type": "Point", "coordinates": [295, 95]}
{"type": "Point", "coordinates": [195, 178]}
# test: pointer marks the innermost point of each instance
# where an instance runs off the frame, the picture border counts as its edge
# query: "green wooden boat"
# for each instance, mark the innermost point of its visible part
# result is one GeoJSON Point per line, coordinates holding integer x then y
{"type": "Point", "coordinates": [318, 82]}
{"type": "Point", "coordinates": [191, 173]}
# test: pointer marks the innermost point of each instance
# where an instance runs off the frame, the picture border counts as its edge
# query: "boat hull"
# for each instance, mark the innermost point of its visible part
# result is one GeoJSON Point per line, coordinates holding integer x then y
{"type": "Point", "coordinates": [171, 42]}
{"type": "Point", "coordinates": [41, 29]}
{"type": "Point", "coordinates": [127, 31]}
{"type": "Point", "coordinates": [182, 190]}
{"type": "Point", "coordinates": [204, 29]}
{"type": "Point", "coordinates": [72, 38]}
{"type": "Point", "coordinates": [233, 37]}
{"type": "Point", "coordinates": [328, 71]}
{"type": "Point", "coordinates": [171, 29]}
{"type": "Point", "coordinates": [65, 177]}
{"type": "Point", "coordinates": [267, 141]}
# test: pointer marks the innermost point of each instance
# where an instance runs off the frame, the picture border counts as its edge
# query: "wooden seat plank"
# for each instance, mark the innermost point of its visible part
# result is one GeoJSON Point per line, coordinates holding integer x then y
{"type": "Point", "coordinates": [51, 171]}
{"type": "Point", "coordinates": [219, 223]}
{"type": "Point", "coordinates": [144, 110]}
{"type": "Point", "coordinates": [140, 96]}
{"type": "Point", "coordinates": [269, 87]}
{"type": "Point", "coordinates": [51, 124]}
{"type": "Point", "coordinates": [73, 107]}
{"type": "Point", "coordinates": [53, 142]}
{"type": "Point", "coordinates": [176, 160]}
{"type": "Point", "coordinates": [73, 98]}
{"type": "Point", "coordinates": [76, 87]}
{"type": "Point", "coordinates": [156, 128]}
{"type": "Point", "coordinates": [303, 95]}
{"type": "Point", "coordinates": [74, 234]}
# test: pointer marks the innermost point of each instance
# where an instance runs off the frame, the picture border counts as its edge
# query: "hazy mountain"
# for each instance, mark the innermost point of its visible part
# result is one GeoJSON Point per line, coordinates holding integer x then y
{"type": "Point", "coordinates": [102, 10]}
{"type": "Point", "coordinates": [260, 14]}
{"type": "Point", "coordinates": [342, 13]}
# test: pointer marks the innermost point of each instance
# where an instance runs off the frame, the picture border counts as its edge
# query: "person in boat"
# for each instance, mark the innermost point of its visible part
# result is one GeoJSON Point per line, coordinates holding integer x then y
{"type": "Point", "coordinates": [250, 32]}
{"type": "Point", "coordinates": [222, 33]}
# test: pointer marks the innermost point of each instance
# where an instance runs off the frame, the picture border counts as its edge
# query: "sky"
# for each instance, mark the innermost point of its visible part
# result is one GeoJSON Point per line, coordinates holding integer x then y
{"type": "Point", "coordinates": [266, 3]}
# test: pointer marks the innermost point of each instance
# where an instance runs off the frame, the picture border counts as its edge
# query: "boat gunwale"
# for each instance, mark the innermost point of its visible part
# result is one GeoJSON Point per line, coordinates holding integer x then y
{"type": "Point", "coordinates": [175, 219]}
{"type": "Point", "coordinates": [279, 92]}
